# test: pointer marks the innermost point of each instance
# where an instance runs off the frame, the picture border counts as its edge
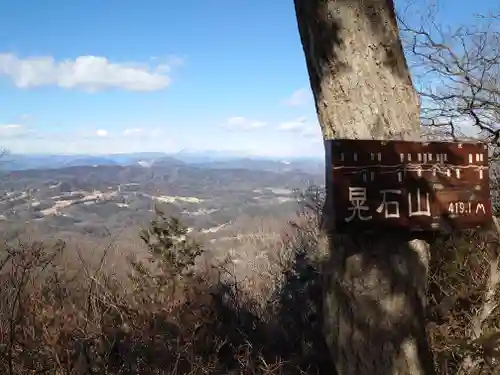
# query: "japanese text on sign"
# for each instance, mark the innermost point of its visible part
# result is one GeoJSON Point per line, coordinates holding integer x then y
{"type": "Point", "coordinates": [419, 186]}
{"type": "Point", "coordinates": [418, 205]}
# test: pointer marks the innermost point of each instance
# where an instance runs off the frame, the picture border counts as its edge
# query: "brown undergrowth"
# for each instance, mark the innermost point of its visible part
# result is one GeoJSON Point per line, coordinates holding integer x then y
{"type": "Point", "coordinates": [177, 313]}
{"type": "Point", "coordinates": [172, 315]}
{"type": "Point", "coordinates": [463, 296]}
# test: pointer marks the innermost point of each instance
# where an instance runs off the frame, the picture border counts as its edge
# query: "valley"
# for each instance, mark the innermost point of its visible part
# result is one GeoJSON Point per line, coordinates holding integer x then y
{"type": "Point", "coordinates": [221, 202]}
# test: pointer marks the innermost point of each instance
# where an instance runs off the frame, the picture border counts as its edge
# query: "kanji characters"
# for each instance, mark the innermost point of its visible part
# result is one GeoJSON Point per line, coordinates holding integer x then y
{"type": "Point", "coordinates": [358, 198]}
{"type": "Point", "coordinates": [419, 211]}
{"type": "Point", "coordinates": [389, 206]}
{"type": "Point", "coordinates": [384, 206]}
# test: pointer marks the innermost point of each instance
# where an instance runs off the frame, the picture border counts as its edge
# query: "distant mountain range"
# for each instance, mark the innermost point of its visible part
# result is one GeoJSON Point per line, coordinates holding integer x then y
{"type": "Point", "coordinates": [208, 159]}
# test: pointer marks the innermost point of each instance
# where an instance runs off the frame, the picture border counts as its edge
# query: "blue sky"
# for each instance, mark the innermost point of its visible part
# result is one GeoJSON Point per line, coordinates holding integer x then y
{"type": "Point", "coordinates": [160, 75]}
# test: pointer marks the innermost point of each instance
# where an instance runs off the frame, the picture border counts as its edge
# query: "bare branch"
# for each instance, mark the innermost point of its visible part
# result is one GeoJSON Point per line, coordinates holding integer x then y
{"type": "Point", "coordinates": [458, 76]}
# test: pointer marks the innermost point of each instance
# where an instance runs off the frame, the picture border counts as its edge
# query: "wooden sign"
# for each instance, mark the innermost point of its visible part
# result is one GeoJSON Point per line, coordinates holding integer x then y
{"type": "Point", "coordinates": [416, 186]}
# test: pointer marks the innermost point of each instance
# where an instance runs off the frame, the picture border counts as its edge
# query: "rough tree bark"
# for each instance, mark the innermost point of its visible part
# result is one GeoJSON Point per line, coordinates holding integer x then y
{"type": "Point", "coordinates": [375, 285]}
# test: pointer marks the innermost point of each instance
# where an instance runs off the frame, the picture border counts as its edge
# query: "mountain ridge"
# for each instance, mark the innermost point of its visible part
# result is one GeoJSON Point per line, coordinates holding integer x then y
{"type": "Point", "coordinates": [202, 159]}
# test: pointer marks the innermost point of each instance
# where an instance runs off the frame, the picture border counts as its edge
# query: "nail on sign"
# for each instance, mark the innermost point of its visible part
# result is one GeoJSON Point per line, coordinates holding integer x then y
{"type": "Point", "coordinates": [419, 186]}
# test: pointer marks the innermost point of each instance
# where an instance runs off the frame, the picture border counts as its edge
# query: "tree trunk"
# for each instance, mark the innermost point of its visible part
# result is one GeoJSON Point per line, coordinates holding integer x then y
{"type": "Point", "coordinates": [374, 285]}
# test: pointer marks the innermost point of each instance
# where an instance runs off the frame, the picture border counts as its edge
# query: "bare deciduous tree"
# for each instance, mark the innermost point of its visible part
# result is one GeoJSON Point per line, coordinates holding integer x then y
{"type": "Point", "coordinates": [458, 74]}
{"type": "Point", "coordinates": [375, 287]}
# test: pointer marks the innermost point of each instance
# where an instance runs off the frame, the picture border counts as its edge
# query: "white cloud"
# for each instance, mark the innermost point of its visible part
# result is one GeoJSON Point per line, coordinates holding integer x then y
{"type": "Point", "coordinates": [301, 126]}
{"type": "Point", "coordinates": [160, 139]}
{"type": "Point", "coordinates": [102, 133]}
{"type": "Point", "coordinates": [14, 131]}
{"type": "Point", "coordinates": [298, 124]}
{"type": "Point", "coordinates": [91, 73]}
{"type": "Point", "coordinates": [312, 131]}
{"type": "Point", "coordinates": [132, 131]}
{"type": "Point", "coordinates": [155, 132]}
{"type": "Point", "coordinates": [242, 123]}
{"type": "Point", "coordinates": [163, 69]}
{"type": "Point", "coordinates": [298, 98]}
{"type": "Point", "coordinates": [139, 137]}
{"type": "Point", "coordinates": [87, 141]}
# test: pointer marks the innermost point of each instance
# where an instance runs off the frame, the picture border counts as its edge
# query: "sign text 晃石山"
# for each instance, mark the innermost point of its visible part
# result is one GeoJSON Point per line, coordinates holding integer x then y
{"type": "Point", "coordinates": [417, 186]}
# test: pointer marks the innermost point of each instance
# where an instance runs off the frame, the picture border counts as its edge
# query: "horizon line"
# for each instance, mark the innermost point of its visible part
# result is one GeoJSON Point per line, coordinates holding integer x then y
{"type": "Point", "coordinates": [225, 154]}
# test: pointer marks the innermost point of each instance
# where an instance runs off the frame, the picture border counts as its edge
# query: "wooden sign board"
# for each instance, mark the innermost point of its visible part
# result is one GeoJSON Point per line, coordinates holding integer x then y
{"type": "Point", "coordinates": [416, 186]}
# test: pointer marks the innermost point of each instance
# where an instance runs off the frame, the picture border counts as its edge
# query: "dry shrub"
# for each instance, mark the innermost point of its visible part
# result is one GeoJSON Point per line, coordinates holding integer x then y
{"type": "Point", "coordinates": [176, 315]}
{"type": "Point", "coordinates": [299, 296]}
{"type": "Point", "coordinates": [463, 292]}
{"type": "Point", "coordinates": [169, 317]}
{"type": "Point", "coordinates": [464, 322]}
